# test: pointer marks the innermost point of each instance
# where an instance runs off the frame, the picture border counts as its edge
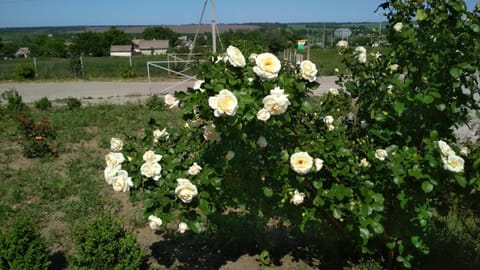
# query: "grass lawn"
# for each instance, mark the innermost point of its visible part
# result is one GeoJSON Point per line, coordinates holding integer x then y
{"type": "Point", "coordinates": [61, 192]}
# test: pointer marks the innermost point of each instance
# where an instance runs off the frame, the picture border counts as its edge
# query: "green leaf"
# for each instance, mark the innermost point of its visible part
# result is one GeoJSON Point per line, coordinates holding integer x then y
{"type": "Point", "coordinates": [427, 99]}
{"type": "Point", "coordinates": [475, 28]}
{"type": "Point", "coordinates": [461, 180]}
{"type": "Point", "coordinates": [337, 213]}
{"type": "Point", "coordinates": [364, 233]}
{"type": "Point", "coordinates": [427, 187]}
{"type": "Point", "coordinates": [455, 72]}
{"type": "Point", "coordinates": [195, 226]}
{"type": "Point", "coordinates": [399, 107]}
{"type": "Point", "coordinates": [421, 15]}
{"type": "Point", "coordinates": [268, 192]}
{"type": "Point", "coordinates": [441, 107]}
{"type": "Point", "coordinates": [377, 227]}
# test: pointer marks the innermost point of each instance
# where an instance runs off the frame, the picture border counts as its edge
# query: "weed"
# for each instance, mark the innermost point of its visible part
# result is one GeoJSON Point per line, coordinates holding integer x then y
{"type": "Point", "coordinates": [43, 104]}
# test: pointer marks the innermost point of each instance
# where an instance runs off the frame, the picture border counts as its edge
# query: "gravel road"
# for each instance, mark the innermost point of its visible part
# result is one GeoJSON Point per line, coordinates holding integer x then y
{"type": "Point", "coordinates": [110, 91]}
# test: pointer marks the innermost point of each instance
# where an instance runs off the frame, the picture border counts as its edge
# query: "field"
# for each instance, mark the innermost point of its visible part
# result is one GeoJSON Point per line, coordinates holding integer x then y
{"type": "Point", "coordinates": [60, 193]}
{"type": "Point", "coordinates": [105, 68]}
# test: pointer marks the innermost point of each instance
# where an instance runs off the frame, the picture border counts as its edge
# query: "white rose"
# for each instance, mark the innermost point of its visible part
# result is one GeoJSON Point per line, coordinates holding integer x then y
{"type": "Point", "coordinates": [330, 127]}
{"type": "Point", "coordinates": [252, 57]}
{"type": "Point", "coordinates": [151, 170]}
{"type": "Point", "coordinates": [308, 70]}
{"type": "Point", "coordinates": [277, 102]}
{"type": "Point", "coordinates": [121, 182]}
{"type": "Point", "coordinates": [154, 222]}
{"type": "Point", "coordinates": [398, 26]}
{"type": "Point", "coordinates": [342, 44]}
{"type": "Point", "coordinates": [301, 162]}
{"type": "Point", "coordinates": [361, 54]}
{"type": "Point", "coordinates": [158, 134]}
{"type": "Point", "coordinates": [224, 102]}
{"type": "Point", "coordinates": [116, 145]}
{"type": "Point", "coordinates": [328, 120]}
{"type": "Point", "coordinates": [318, 164]}
{"type": "Point", "coordinates": [182, 227]}
{"type": "Point", "coordinates": [445, 149]}
{"type": "Point", "coordinates": [230, 155]}
{"type": "Point", "coordinates": [453, 163]}
{"type": "Point", "coordinates": [185, 190]}
{"type": "Point", "coordinates": [151, 157]}
{"type": "Point", "coordinates": [263, 115]}
{"type": "Point", "coordinates": [110, 172]}
{"type": "Point", "coordinates": [364, 163]}
{"type": "Point", "coordinates": [262, 142]}
{"type": "Point", "coordinates": [194, 169]}
{"type": "Point", "coordinates": [210, 134]}
{"type": "Point", "coordinates": [267, 66]}
{"type": "Point", "coordinates": [114, 159]}
{"type": "Point", "coordinates": [235, 57]}
{"type": "Point", "coordinates": [381, 154]}
{"type": "Point", "coordinates": [171, 101]}
{"type": "Point", "coordinates": [197, 85]}
{"type": "Point", "coordinates": [333, 91]}
{"type": "Point", "coordinates": [297, 197]}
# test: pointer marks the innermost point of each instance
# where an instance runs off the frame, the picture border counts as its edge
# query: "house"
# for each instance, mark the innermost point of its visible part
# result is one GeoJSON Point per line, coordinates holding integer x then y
{"type": "Point", "coordinates": [121, 50]}
{"type": "Point", "coordinates": [23, 52]}
{"type": "Point", "coordinates": [150, 47]}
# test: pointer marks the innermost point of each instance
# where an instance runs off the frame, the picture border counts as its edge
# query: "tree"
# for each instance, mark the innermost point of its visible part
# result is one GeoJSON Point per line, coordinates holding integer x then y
{"type": "Point", "coordinates": [90, 43]}
{"type": "Point", "coordinates": [114, 36]}
{"type": "Point", "coordinates": [158, 32]}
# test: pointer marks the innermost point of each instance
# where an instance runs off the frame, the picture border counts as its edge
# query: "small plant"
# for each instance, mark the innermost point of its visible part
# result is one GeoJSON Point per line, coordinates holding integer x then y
{"type": "Point", "coordinates": [73, 103]}
{"type": "Point", "coordinates": [104, 244]}
{"type": "Point", "coordinates": [22, 247]}
{"type": "Point", "coordinates": [13, 101]}
{"type": "Point", "coordinates": [25, 72]}
{"type": "Point", "coordinates": [127, 72]}
{"type": "Point", "coordinates": [36, 139]}
{"type": "Point", "coordinates": [155, 103]}
{"type": "Point", "coordinates": [43, 104]}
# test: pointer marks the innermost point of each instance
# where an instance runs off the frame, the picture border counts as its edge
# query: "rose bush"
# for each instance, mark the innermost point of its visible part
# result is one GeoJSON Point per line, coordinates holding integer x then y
{"type": "Point", "coordinates": [374, 160]}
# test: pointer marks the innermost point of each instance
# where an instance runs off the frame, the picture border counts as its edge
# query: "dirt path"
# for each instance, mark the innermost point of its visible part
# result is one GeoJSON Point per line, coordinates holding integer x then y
{"type": "Point", "coordinates": [110, 91]}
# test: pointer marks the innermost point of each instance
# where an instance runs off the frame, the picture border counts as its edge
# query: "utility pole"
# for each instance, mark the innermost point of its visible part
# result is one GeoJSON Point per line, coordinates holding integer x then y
{"type": "Point", "coordinates": [214, 30]}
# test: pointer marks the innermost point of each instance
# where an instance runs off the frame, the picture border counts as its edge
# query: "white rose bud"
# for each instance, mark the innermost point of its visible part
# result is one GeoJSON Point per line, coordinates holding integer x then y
{"type": "Point", "coordinates": [381, 154]}
{"type": "Point", "coordinates": [154, 222]}
{"type": "Point", "coordinates": [297, 197]}
{"type": "Point", "coordinates": [262, 142]}
{"type": "Point", "coordinates": [194, 169]}
{"type": "Point", "coordinates": [230, 155]}
{"type": "Point", "coordinates": [235, 57]}
{"type": "Point", "coordinates": [116, 145]}
{"type": "Point", "coordinates": [398, 26]}
{"type": "Point", "coordinates": [318, 164]}
{"type": "Point", "coordinates": [328, 120]}
{"type": "Point", "coordinates": [182, 227]}
{"type": "Point", "coordinates": [364, 163]}
{"type": "Point", "coordinates": [263, 115]}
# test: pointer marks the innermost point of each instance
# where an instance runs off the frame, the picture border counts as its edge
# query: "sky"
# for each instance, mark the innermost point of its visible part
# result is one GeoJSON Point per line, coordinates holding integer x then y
{"type": "Point", "coordinates": [36, 13]}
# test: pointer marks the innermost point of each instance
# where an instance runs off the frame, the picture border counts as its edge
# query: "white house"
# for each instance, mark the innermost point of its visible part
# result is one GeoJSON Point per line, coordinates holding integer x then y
{"type": "Point", "coordinates": [150, 47]}
{"type": "Point", "coordinates": [121, 50]}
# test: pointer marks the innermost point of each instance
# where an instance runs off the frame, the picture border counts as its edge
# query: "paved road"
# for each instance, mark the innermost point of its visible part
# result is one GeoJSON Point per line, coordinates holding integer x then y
{"type": "Point", "coordinates": [111, 91]}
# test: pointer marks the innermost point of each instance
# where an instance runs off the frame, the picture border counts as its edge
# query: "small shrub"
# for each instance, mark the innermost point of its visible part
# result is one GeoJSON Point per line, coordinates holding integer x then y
{"type": "Point", "coordinates": [127, 72]}
{"type": "Point", "coordinates": [25, 72]}
{"type": "Point", "coordinates": [155, 103]}
{"type": "Point", "coordinates": [36, 138]}
{"type": "Point", "coordinates": [13, 101]}
{"type": "Point", "coordinates": [43, 104]}
{"type": "Point", "coordinates": [73, 103]}
{"type": "Point", "coordinates": [104, 244]}
{"type": "Point", "coordinates": [22, 247]}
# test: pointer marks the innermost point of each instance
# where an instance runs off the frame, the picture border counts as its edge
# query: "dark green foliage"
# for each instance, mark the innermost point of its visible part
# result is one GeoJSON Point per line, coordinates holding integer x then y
{"type": "Point", "coordinates": [127, 72]}
{"type": "Point", "coordinates": [43, 104]}
{"type": "Point", "coordinates": [25, 72]}
{"type": "Point", "coordinates": [22, 247]}
{"type": "Point", "coordinates": [155, 103]}
{"type": "Point", "coordinates": [104, 244]}
{"type": "Point", "coordinates": [14, 101]}
{"type": "Point", "coordinates": [73, 103]}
